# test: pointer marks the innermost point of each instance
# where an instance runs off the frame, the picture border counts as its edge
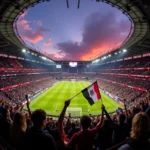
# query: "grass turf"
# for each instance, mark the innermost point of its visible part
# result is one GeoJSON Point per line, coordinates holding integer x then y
{"type": "Point", "coordinates": [52, 100]}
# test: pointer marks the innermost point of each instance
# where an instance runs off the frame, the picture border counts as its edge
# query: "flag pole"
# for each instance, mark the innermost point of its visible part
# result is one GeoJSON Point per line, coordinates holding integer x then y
{"type": "Point", "coordinates": [101, 100]}
{"type": "Point", "coordinates": [75, 95]}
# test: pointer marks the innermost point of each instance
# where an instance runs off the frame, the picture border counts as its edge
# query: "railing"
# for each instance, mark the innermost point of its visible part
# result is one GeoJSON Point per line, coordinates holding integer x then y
{"type": "Point", "coordinates": [5, 145]}
{"type": "Point", "coordinates": [117, 146]}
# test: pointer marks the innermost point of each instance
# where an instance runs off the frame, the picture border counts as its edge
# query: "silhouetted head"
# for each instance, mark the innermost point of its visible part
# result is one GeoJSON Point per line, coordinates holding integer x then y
{"type": "Point", "coordinates": [39, 118]}
{"type": "Point", "coordinates": [121, 118]}
{"type": "Point", "coordinates": [85, 122]}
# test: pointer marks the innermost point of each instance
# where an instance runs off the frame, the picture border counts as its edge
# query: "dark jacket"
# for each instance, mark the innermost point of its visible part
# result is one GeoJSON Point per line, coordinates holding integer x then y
{"type": "Point", "coordinates": [39, 140]}
{"type": "Point", "coordinates": [134, 144]}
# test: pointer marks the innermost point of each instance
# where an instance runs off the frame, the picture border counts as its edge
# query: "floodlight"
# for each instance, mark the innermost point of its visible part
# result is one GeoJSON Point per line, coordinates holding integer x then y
{"type": "Point", "coordinates": [124, 50]}
{"type": "Point", "coordinates": [43, 57]}
{"type": "Point", "coordinates": [24, 50]}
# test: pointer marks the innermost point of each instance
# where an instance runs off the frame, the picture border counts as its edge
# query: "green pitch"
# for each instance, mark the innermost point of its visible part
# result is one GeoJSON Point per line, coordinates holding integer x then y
{"type": "Point", "coordinates": [52, 101]}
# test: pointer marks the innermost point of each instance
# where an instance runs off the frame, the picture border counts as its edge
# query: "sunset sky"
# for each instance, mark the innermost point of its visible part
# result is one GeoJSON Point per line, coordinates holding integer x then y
{"type": "Point", "coordinates": [73, 34]}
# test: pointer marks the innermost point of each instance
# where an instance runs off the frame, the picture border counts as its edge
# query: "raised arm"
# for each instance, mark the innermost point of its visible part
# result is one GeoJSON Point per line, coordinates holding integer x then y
{"type": "Point", "coordinates": [112, 124]}
{"type": "Point", "coordinates": [107, 115]}
{"type": "Point", "coordinates": [61, 118]}
{"type": "Point", "coordinates": [21, 108]}
{"type": "Point", "coordinates": [28, 107]}
{"type": "Point", "coordinates": [99, 125]}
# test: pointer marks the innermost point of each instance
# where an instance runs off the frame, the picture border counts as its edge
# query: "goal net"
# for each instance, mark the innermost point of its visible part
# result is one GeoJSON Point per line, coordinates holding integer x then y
{"type": "Point", "coordinates": [74, 111]}
{"type": "Point", "coordinates": [73, 80]}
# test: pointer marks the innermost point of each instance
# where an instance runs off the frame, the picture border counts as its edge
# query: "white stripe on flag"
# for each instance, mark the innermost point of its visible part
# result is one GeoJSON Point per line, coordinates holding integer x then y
{"type": "Point", "coordinates": [93, 96]}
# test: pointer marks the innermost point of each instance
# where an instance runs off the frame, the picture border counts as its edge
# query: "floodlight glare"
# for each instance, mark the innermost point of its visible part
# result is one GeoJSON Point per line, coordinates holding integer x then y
{"type": "Point", "coordinates": [43, 57]}
{"type": "Point", "coordinates": [109, 55]}
{"type": "Point", "coordinates": [124, 50]}
{"type": "Point", "coordinates": [24, 50]}
{"type": "Point", "coordinates": [96, 60]}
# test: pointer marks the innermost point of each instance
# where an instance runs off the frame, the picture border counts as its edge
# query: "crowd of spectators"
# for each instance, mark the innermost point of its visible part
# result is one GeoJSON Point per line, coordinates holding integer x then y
{"type": "Point", "coordinates": [129, 129]}
{"type": "Point", "coordinates": [16, 94]}
{"type": "Point", "coordinates": [135, 72]}
{"type": "Point", "coordinates": [132, 63]}
{"type": "Point", "coordinates": [138, 82]}
{"type": "Point", "coordinates": [14, 80]}
{"type": "Point", "coordinates": [12, 63]}
{"type": "Point", "coordinates": [126, 93]}
{"type": "Point", "coordinates": [122, 92]}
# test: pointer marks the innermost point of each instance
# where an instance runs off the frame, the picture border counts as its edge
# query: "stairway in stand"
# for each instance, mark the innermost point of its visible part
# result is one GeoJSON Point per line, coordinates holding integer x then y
{"type": "Point", "coordinates": [19, 64]}
{"type": "Point", "coordinates": [13, 63]}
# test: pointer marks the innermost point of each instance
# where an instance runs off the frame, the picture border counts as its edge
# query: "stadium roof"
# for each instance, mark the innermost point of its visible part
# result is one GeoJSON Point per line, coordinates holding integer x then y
{"type": "Point", "coordinates": [137, 10]}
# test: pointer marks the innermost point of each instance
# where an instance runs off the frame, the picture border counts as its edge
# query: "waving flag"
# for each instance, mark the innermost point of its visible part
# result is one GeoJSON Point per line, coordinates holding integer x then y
{"type": "Point", "coordinates": [92, 93]}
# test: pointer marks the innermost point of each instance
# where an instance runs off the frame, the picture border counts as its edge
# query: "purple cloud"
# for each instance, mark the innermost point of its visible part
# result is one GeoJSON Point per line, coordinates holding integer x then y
{"type": "Point", "coordinates": [101, 33]}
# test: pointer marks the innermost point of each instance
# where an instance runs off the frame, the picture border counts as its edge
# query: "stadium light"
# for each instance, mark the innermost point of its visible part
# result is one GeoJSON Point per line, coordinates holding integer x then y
{"type": "Point", "coordinates": [109, 55]}
{"type": "Point", "coordinates": [104, 57]}
{"type": "Point", "coordinates": [116, 53]}
{"type": "Point", "coordinates": [44, 58]}
{"type": "Point", "coordinates": [97, 60]}
{"type": "Point", "coordinates": [24, 50]}
{"type": "Point", "coordinates": [124, 50]}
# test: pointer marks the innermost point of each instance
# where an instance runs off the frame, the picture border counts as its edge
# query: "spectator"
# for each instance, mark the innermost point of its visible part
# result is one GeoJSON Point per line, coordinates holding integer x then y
{"type": "Point", "coordinates": [83, 139]}
{"type": "Point", "coordinates": [140, 133]}
{"type": "Point", "coordinates": [104, 136]}
{"type": "Point", "coordinates": [36, 137]}
{"type": "Point", "coordinates": [120, 129]}
{"type": "Point", "coordinates": [5, 124]}
{"type": "Point", "coordinates": [73, 130]}
{"type": "Point", "coordinates": [18, 130]}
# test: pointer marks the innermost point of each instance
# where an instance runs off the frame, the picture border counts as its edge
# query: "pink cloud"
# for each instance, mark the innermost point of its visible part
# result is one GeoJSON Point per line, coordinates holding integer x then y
{"type": "Point", "coordinates": [48, 43]}
{"type": "Point", "coordinates": [23, 25]}
{"type": "Point", "coordinates": [27, 32]}
{"type": "Point", "coordinates": [100, 36]}
{"type": "Point", "coordinates": [46, 50]}
{"type": "Point", "coordinates": [58, 55]}
{"type": "Point", "coordinates": [34, 36]}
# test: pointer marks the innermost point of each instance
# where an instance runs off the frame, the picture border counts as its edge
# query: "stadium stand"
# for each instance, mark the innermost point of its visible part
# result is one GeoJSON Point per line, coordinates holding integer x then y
{"type": "Point", "coordinates": [113, 133]}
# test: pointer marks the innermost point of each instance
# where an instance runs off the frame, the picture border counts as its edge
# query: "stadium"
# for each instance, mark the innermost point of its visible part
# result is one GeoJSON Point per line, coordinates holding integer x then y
{"type": "Point", "coordinates": [74, 74]}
